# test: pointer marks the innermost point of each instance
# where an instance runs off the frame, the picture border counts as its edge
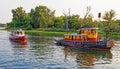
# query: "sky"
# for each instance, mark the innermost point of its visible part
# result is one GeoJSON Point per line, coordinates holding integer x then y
{"type": "Point", "coordinates": [76, 7]}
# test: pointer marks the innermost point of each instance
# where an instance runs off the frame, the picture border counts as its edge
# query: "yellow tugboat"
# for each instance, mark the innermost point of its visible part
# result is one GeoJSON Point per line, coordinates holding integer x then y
{"type": "Point", "coordinates": [87, 38]}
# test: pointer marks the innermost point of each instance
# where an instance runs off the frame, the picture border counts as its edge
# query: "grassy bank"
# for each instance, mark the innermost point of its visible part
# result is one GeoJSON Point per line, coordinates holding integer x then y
{"type": "Point", "coordinates": [46, 33]}
{"type": "Point", "coordinates": [113, 35]}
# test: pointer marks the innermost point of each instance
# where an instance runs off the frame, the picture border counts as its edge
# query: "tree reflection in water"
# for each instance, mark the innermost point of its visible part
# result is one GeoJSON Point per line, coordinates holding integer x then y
{"type": "Point", "coordinates": [88, 57]}
{"type": "Point", "coordinates": [41, 46]}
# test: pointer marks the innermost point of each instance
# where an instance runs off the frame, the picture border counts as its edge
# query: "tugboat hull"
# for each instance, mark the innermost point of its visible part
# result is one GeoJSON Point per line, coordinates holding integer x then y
{"type": "Point", "coordinates": [101, 45]}
{"type": "Point", "coordinates": [87, 38]}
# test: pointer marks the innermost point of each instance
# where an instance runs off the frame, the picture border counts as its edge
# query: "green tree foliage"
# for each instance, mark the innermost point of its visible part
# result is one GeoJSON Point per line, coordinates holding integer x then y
{"type": "Point", "coordinates": [117, 26]}
{"type": "Point", "coordinates": [59, 22]}
{"type": "Point", "coordinates": [109, 23]}
{"type": "Point", "coordinates": [41, 17]}
{"type": "Point", "coordinates": [73, 22]}
{"type": "Point", "coordinates": [89, 21]}
{"type": "Point", "coordinates": [20, 19]}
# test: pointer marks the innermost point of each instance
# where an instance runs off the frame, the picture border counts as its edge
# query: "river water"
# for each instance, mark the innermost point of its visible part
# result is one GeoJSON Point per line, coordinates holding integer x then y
{"type": "Point", "coordinates": [40, 52]}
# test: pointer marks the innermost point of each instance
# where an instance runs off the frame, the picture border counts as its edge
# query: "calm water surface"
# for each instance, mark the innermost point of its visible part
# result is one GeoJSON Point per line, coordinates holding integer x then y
{"type": "Point", "coordinates": [40, 52]}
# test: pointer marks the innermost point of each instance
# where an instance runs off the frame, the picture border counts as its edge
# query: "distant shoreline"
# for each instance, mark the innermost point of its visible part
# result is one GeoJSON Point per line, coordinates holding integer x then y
{"type": "Point", "coordinates": [114, 35]}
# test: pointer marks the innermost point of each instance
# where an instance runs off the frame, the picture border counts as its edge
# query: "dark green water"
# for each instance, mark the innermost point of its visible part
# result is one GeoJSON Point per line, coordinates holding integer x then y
{"type": "Point", "coordinates": [40, 52]}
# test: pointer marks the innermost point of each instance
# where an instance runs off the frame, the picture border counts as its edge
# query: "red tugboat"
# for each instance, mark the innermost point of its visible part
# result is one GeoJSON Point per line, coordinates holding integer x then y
{"type": "Point", "coordinates": [18, 35]}
{"type": "Point", "coordinates": [87, 38]}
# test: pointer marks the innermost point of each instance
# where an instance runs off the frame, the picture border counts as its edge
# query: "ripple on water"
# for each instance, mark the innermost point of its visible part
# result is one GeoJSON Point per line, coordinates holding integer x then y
{"type": "Point", "coordinates": [42, 53]}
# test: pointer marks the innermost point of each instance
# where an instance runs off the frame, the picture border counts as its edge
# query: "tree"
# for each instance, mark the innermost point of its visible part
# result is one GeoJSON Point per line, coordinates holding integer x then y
{"type": "Point", "coordinates": [59, 22]}
{"type": "Point", "coordinates": [71, 21]}
{"type": "Point", "coordinates": [41, 17]}
{"type": "Point", "coordinates": [20, 18]}
{"type": "Point", "coordinates": [109, 23]}
{"type": "Point", "coordinates": [74, 22]}
{"type": "Point", "coordinates": [117, 28]}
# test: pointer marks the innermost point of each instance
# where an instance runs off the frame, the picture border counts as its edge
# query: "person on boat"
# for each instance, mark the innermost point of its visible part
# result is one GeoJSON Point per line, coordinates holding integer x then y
{"type": "Point", "coordinates": [17, 32]}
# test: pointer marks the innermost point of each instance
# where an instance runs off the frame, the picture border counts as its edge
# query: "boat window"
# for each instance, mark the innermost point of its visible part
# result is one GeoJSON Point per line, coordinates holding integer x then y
{"type": "Point", "coordinates": [82, 31]}
{"type": "Point", "coordinates": [84, 38]}
{"type": "Point", "coordinates": [73, 37]}
{"type": "Point", "coordinates": [80, 37]}
{"type": "Point", "coordinates": [94, 31]}
{"type": "Point", "coordinates": [17, 32]}
{"type": "Point", "coordinates": [91, 30]}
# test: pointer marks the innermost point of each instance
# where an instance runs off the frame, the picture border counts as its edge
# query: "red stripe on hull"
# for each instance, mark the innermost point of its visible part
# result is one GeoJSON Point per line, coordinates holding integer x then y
{"type": "Point", "coordinates": [92, 39]}
{"type": "Point", "coordinates": [21, 38]}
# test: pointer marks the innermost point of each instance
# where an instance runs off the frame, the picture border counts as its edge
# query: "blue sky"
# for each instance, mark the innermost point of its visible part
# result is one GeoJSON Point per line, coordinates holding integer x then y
{"type": "Point", "coordinates": [76, 7]}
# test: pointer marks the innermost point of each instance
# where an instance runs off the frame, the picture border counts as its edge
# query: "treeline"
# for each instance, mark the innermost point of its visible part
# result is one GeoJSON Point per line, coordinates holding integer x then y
{"type": "Point", "coordinates": [41, 17]}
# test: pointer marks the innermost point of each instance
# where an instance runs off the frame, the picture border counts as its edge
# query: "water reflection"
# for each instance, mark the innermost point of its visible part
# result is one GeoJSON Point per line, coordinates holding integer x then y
{"type": "Point", "coordinates": [41, 53]}
{"type": "Point", "coordinates": [18, 44]}
{"type": "Point", "coordinates": [41, 46]}
{"type": "Point", "coordinates": [40, 39]}
{"type": "Point", "coordinates": [88, 57]}
{"type": "Point", "coordinates": [19, 48]}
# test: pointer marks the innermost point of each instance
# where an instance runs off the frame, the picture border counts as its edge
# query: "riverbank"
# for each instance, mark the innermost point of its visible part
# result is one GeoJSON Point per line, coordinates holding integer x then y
{"type": "Point", "coordinates": [46, 33]}
{"type": "Point", "coordinates": [113, 35]}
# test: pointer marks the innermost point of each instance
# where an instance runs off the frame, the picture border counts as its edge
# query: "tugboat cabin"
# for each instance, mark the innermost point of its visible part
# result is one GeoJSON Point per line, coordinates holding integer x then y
{"type": "Point", "coordinates": [92, 33]}
{"type": "Point", "coordinates": [85, 34]}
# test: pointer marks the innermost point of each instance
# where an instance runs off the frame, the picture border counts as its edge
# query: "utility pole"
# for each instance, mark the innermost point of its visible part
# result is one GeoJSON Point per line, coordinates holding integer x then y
{"type": "Point", "coordinates": [99, 15]}
{"type": "Point", "coordinates": [67, 20]}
